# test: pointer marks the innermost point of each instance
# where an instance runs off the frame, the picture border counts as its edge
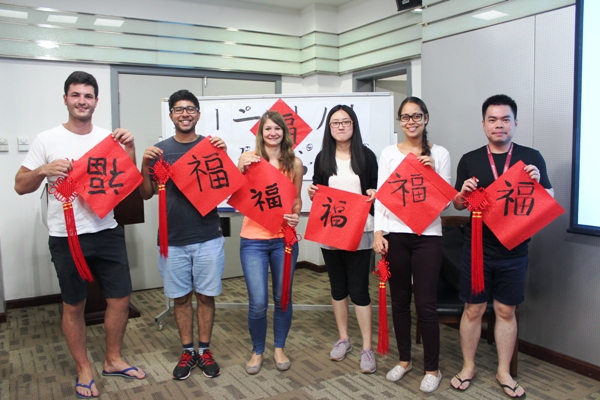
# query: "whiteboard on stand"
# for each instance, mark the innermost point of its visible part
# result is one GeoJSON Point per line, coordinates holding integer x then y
{"type": "Point", "coordinates": [233, 118]}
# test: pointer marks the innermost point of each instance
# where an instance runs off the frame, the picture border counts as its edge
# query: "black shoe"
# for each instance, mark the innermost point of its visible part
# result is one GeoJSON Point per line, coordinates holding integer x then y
{"type": "Point", "coordinates": [209, 366]}
{"type": "Point", "coordinates": [184, 368]}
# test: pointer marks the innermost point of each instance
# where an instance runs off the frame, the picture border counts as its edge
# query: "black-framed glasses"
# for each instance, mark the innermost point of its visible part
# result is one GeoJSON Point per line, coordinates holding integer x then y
{"type": "Point", "coordinates": [336, 124]}
{"type": "Point", "coordinates": [417, 117]}
{"type": "Point", "coordinates": [190, 110]}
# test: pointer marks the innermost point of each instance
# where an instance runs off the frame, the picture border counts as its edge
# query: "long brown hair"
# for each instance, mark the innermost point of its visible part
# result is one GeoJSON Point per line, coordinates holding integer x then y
{"type": "Point", "coordinates": [287, 156]}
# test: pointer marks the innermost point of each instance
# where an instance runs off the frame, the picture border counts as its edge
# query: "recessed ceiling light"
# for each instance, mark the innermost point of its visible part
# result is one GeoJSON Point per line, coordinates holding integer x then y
{"type": "Point", "coordinates": [47, 44]}
{"type": "Point", "coordinates": [13, 14]}
{"type": "Point", "coordinates": [109, 22]}
{"type": "Point", "coordinates": [489, 15]}
{"type": "Point", "coordinates": [65, 19]}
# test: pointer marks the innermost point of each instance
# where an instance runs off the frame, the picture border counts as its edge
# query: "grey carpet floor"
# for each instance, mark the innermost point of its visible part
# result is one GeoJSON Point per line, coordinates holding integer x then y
{"type": "Point", "coordinates": [35, 362]}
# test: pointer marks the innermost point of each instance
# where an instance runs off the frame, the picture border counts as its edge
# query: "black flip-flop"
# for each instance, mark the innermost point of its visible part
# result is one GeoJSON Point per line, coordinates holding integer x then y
{"type": "Point", "coordinates": [514, 390]}
{"type": "Point", "coordinates": [461, 383]}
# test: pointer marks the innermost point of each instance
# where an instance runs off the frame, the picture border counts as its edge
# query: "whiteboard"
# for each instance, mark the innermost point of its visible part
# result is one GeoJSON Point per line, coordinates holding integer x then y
{"type": "Point", "coordinates": [233, 117]}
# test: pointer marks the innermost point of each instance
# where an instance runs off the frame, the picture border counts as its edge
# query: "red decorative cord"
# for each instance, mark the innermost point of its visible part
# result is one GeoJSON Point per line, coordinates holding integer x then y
{"type": "Point", "coordinates": [161, 173]}
{"type": "Point", "coordinates": [476, 202]}
{"type": "Point", "coordinates": [382, 271]}
{"type": "Point", "coordinates": [289, 239]}
{"type": "Point", "coordinates": [64, 190]}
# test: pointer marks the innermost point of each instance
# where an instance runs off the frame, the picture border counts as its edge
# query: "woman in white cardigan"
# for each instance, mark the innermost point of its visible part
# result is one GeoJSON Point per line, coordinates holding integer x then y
{"type": "Point", "coordinates": [415, 260]}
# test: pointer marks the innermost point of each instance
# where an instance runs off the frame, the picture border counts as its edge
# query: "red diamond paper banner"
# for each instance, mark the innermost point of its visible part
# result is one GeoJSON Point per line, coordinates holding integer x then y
{"type": "Point", "coordinates": [521, 207]}
{"type": "Point", "coordinates": [416, 194]}
{"type": "Point", "coordinates": [337, 218]}
{"type": "Point", "coordinates": [266, 195]}
{"type": "Point", "coordinates": [105, 175]}
{"type": "Point", "coordinates": [299, 129]}
{"type": "Point", "coordinates": [206, 176]}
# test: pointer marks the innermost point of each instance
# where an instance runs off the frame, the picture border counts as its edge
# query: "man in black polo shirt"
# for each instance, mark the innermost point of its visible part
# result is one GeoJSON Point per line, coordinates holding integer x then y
{"type": "Point", "coordinates": [504, 270]}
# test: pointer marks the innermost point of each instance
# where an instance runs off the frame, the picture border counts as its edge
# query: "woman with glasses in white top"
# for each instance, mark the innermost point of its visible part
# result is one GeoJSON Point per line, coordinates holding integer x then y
{"type": "Point", "coordinates": [345, 163]}
{"type": "Point", "coordinates": [415, 260]}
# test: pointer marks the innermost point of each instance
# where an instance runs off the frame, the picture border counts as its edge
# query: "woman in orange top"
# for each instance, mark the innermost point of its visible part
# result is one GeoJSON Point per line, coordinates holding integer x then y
{"type": "Point", "coordinates": [260, 249]}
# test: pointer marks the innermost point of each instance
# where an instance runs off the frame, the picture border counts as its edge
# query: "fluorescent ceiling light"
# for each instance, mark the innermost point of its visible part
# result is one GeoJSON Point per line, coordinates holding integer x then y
{"type": "Point", "coordinates": [109, 22]}
{"type": "Point", "coordinates": [232, 29]}
{"type": "Point", "coordinates": [417, 11]}
{"type": "Point", "coordinates": [65, 19]}
{"type": "Point", "coordinates": [489, 15]}
{"type": "Point", "coordinates": [13, 14]}
{"type": "Point", "coordinates": [47, 44]}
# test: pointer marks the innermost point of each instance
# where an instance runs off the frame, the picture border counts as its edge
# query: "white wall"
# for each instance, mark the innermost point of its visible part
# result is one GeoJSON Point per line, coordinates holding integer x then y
{"type": "Point", "coordinates": [415, 70]}
{"type": "Point", "coordinates": [27, 269]}
{"type": "Point", "coordinates": [530, 59]}
{"type": "Point", "coordinates": [36, 104]}
{"type": "Point", "coordinates": [32, 102]}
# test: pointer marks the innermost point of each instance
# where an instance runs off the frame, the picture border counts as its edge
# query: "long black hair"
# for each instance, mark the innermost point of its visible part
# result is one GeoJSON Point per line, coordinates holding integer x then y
{"type": "Point", "coordinates": [426, 150]}
{"type": "Point", "coordinates": [357, 155]}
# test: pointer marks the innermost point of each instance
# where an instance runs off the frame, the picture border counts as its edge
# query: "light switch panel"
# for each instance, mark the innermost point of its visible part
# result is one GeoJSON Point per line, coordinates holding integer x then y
{"type": "Point", "coordinates": [3, 144]}
{"type": "Point", "coordinates": [23, 143]}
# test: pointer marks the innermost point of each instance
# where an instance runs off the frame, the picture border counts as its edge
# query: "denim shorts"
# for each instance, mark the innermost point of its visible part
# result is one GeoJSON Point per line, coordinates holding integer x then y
{"type": "Point", "coordinates": [504, 280]}
{"type": "Point", "coordinates": [197, 267]}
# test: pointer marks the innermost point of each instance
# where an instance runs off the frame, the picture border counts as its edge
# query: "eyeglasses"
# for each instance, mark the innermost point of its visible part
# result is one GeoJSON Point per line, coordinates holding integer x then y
{"type": "Point", "coordinates": [190, 110]}
{"type": "Point", "coordinates": [336, 124]}
{"type": "Point", "coordinates": [417, 117]}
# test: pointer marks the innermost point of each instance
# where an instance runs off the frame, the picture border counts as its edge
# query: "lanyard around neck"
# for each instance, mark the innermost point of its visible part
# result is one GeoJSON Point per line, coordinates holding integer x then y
{"type": "Point", "coordinates": [493, 164]}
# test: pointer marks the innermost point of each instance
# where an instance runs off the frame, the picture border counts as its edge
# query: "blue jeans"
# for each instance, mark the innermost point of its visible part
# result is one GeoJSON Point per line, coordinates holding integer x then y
{"type": "Point", "coordinates": [257, 256]}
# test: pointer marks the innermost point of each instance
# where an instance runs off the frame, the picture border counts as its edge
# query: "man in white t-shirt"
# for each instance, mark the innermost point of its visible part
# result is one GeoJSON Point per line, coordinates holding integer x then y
{"type": "Point", "coordinates": [102, 240]}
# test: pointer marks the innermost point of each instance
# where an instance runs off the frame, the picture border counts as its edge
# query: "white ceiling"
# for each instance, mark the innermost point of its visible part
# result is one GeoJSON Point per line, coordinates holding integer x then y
{"type": "Point", "coordinates": [295, 4]}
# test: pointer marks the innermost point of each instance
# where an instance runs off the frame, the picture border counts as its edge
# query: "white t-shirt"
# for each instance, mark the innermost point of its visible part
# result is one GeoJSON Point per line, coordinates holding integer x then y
{"type": "Point", "coordinates": [389, 160]}
{"type": "Point", "coordinates": [60, 143]}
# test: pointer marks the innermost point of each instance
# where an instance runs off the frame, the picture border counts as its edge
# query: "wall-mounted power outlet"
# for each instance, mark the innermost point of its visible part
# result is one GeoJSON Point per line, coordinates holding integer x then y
{"type": "Point", "coordinates": [23, 142]}
{"type": "Point", "coordinates": [3, 144]}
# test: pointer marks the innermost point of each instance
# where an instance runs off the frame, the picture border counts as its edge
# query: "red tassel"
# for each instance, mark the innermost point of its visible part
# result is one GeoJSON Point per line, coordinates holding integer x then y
{"type": "Point", "coordinates": [76, 252]}
{"type": "Point", "coordinates": [289, 238]}
{"type": "Point", "coordinates": [383, 339]}
{"type": "Point", "coordinates": [163, 226]}
{"type": "Point", "coordinates": [64, 189]}
{"type": "Point", "coordinates": [383, 272]}
{"type": "Point", "coordinates": [161, 173]}
{"type": "Point", "coordinates": [477, 282]}
{"type": "Point", "coordinates": [476, 202]}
